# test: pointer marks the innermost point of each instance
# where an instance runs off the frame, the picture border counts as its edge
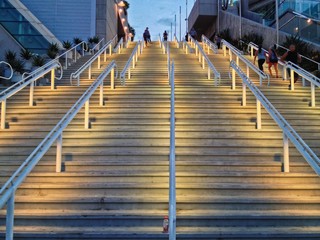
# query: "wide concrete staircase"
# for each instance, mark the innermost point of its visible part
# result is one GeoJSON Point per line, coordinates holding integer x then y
{"type": "Point", "coordinates": [114, 183]}
{"type": "Point", "coordinates": [229, 179]}
{"type": "Point", "coordinates": [115, 179]}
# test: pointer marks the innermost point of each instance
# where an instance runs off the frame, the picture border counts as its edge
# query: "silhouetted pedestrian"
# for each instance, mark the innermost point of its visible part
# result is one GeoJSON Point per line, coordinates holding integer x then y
{"type": "Point", "coordinates": [146, 36]}
{"type": "Point", "coordinates": [292, 56]}
{"type": "Point", "coordinates": [165, 36]}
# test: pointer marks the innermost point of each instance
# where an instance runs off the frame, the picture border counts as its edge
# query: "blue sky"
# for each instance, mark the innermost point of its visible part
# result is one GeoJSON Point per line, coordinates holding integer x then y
{"type": "Point", "coordinates": [158, 16]}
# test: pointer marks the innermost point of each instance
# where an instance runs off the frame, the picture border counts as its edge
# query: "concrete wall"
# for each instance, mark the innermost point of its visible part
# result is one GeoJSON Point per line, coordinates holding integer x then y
{"type": "Point", "coordinates": [106, 19]}
{"type": "Point", "coordinates": [231, 21]}
{"type": "Point", "coordinates": [66, 19]}
{"type": "Point", "coordinates": [7, 43]}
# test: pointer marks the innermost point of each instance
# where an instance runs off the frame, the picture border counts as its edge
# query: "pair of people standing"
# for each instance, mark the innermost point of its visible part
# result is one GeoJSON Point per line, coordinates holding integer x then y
{"type": "Point", "coordinates": [271, 57]}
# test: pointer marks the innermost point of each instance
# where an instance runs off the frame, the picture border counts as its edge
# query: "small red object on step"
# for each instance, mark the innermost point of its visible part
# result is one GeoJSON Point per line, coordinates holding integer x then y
{"type": "Point", "coordinates": [165, 224]}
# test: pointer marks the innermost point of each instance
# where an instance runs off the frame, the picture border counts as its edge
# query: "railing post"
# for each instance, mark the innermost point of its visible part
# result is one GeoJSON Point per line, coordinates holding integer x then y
{"type": "Point", "coordinates": [230, 55]}
{"type": "Point", "coordinates": [66, 61]}
{"type": "Point", "coordinates": [258, 114]}
{"type": "Point", "coordinates": [248, 71]}
{"type": "Point", "coordinates": [285, 164]}
{"type": "Point", "coordinates": [101, 95]}
{"type": "Point", "coordinates": [129, 73]}
{"type": "Point", "coordinates": [112, 78]}
{"type": "Point", "coordinates": [10, 217]}
{"type": "Point", "coordinates": [244, 94]}
{"type": "Point", "coordinates": [292, 79]}
{"type": "Point", "coordinates": [52, 78]}
{"type": "Point", "coordinates": [251, 50]}
{"type": "Point", "coordinates": [3, 113]}
{"type": "Point", "coordinates": [237, 60]}
{"type": "Point", "coordinates": [133, 62]}
{"type": "Point", "coordinates": [86, 115]}
{"type": "Point", "coordinates": [31, 93]}
{"type": "Point", "coordinates": [284, 72]}
{"type": "Point", "coordinates": [99, 62]}
{"type": "Point", "coordinates": [89, 72]}
{"type": "Point", "coordinates": [224, 50]}
{"type": "Point", "coordinates": [105, 55]}
{"type": "Point", "coordinates": [59, 154]}
{"type": "Point", "coordinates": [209, 73]}
{"type": "Point", "coordinates": [313, 95]}
{"type": "Point", "coordinates": [233, 79]}
{"type": "Point", "coordinates": [110, 49]}
{"type": "Point", "coordinates": [203, 63]}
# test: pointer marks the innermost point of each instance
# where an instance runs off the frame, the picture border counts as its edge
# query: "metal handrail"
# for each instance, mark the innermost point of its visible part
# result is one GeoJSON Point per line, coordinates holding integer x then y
{"type": "Point", "coordinates": [302, 56]}
{"type": "Point", "coordinates": [90, 62]}
{"type": "Point", "coordinates": [314, 81]}
{"type": "Point", "coordinates": [172, 163]}
{"type": "Point", "coordinates": [210, 44]}
{"type": "Point", "coordinates": [175, 39]}
{"type": "Point", "coordinates": [262, 75]}
{"type": "Point", "coordinates": [204, 58]}
{"type": "Point", "coordinates": [118, 46]}
{"type": "Point", "coordinates": [36, 74]}
{"type": "Point", "coordinates": [74, 48]}
{"type": "Point", "coordinates": [132, 59]}
{"type": "Point", "coordinates": [7, 192]}
{"type": "Point", "coordinates": [97, 46]}
{"type": "Point", "coordinates": [186, 46]}
{"type": "Point", "coordinates": [29, 80]}
{"type": "Point", "coordinates": [7, 78]}
{"type": "Point", "coordinates": [288, 132]}
{"type": "Point", "coordinates": [168, 59]}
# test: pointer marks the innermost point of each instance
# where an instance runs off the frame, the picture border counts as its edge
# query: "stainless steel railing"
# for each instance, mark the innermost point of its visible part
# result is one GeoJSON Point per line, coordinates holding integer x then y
{"type": "Point", "coordinates": [249, 65]}
{"type": "Point", "coordinates": [137, 51]}
{"type": "Point", "coordinates": [203, 59]}
{"type": "Point", "coordinates": [88, 64]}
{"type": "Point", "coordinates": [288, 132]}
{"type": "Point", "coordinates": [7, 192]}
{"type": "Point", "coordinates": [28, 80]}
{"type": "Point", "coordinates": [172, 161]}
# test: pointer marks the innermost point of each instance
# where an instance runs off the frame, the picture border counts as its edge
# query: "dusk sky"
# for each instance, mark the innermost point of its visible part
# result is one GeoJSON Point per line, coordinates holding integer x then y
{"type": "Point", "coordinates": [158, 16]}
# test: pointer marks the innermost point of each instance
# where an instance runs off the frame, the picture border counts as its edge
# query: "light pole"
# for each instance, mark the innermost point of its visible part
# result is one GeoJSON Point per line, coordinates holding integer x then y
{"type": "Point", "coordinates": [171, 31]}
{"type": "Point", "coordinates": [240, 13]}
{"type": "Point", "coordinates": [277, 22]}
{"type": "Point", "coordinates": [180, 25]}
{"type": "Point", "coordinates": [218, 16]}
{"type": "Point", "coordinates": [175, 25]}
{"type": "Point", "coordinates": [186, 16]}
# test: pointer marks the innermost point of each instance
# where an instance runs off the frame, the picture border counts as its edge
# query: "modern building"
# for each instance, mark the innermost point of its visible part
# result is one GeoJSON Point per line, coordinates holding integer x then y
{"type": "Point", "coordinates": [34, 24]}
{"type": "Point", "coordinates": [290, 17]}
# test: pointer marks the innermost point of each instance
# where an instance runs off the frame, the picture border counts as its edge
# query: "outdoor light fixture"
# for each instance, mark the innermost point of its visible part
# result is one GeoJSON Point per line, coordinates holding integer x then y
{"type": "Point", "coordinates": [121, 4]}
{"type": "Point", "coordinates": [309, 20]}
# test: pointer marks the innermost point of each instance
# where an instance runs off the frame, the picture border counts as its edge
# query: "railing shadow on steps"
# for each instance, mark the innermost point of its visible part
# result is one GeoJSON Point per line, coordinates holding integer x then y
{"type": "Point", "coordinates": [203, 59]}
{"type": "Point", "coordinates": [288, 132]}
{"type": "Point", "coordinates": [133, 59]}
{"type": "Point", "coordinates": [88, 64]}
{"type": "Point", "coordinates": [295, 69]}
{"type": "Point", "coordinates": [28, 80]}
{"type": "Point", "coordinates": [7, 192]}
